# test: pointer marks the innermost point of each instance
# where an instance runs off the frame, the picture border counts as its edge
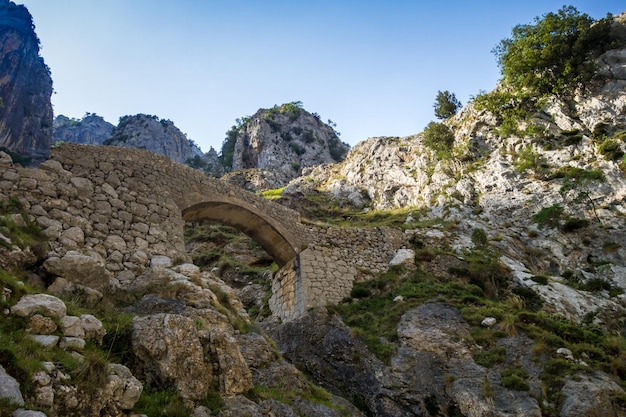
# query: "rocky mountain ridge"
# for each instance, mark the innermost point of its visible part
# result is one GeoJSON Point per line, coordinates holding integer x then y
{"type": "Point", "coordinates": [90, 130]}
{"type": "Point", "coordinates": [160, 136]}
{"type": "Point", "coordinates": [25, 86]}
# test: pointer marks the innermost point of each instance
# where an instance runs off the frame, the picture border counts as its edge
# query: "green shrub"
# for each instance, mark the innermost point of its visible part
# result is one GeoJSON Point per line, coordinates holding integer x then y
{"type": "Point", "coordinates": [439, 138]}
{"type": "Point", "coordinates": [490, 357]}
{"type": "Point", "coordinates": [529, 159]}
{"type": "Point", "coordinates": [532, 300]}
{"type": "Point", "coordinates": [572, 224]}
{"type": "Point", "coordinates": [298, 149]}
{"type": "Point", "coordinates": [446, 104]}
{"type": "Point", "coordinates": [515, 379]}
{"type": "Point", "coordinates": [611, 150]}
{"type": "Point", "coordinates": [161, 403]}
{"type": "Point", "coordinates": [540, 279]}
{"type": "Point", "coordinates": [549, 216]}
{"type": "Point", "coordinates": [479, 237]}
{"type": "Point", "coordinates": [360, 291]}
{"type": "Point", "coordinates": [272, 194]}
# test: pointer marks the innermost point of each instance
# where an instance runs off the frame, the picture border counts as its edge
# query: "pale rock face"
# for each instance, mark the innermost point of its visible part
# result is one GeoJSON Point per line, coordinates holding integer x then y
{"type": "Point", "coordinates": [484, 187]}
{"type": "Point", "coordinates": [157, 135]}
{"type": "Point", "coordinates": [167, 347]}
{"type": "Point", "coordinates": [25, 87]}
{"type": "Point", "coordinates": [91, 129]}
{"type": "Point", "coordinates": [279, 144]}
{"type": "Point", "coordinates": [436, 328]}
{"type": "Point", "coordinates": [590, 395]}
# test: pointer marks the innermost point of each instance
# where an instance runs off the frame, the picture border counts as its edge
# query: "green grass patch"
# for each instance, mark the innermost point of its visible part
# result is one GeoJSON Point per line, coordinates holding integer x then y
{"type": "Point", "coordinates": [275, 193]}
{"type": "Point", "coordinates": [161, 403]}
{"type": "Point", "coordinates": [515, 379]}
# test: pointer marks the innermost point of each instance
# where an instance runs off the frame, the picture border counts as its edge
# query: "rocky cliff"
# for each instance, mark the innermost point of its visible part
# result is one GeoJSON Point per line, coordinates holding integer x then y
{"type": "Point", "coordinates": [160, 136]}
{"type": "Point", "coordinates": [278, 143]}
{"type": "Point", "coordinates": [25, 86]}
{"type": "Point", "coordinates": [90, 130]}
{"type": "Point", "coordinates": [569, 156]}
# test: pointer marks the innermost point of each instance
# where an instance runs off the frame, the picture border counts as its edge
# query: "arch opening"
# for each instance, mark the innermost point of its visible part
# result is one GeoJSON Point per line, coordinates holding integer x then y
{"type": "Point", "coordinates": [276, 242]}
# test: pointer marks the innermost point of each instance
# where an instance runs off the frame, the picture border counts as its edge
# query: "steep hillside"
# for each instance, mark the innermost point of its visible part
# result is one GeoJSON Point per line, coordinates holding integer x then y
{"type": "Point", "coordinates": [549, 182]}
{"type": "Point", "coordinates": [160, 136]}
{"type": "Point", "coordinates": [278, 143]}
{"type": "Point", "coordinates": [25, 86]}
{"type": "Point", "coordinates": [90, 130]}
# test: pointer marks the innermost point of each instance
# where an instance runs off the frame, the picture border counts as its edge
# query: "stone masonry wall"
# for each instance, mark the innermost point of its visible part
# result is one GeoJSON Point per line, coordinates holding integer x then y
{"type": "Point", "coordinates": [123, 206]}
{"type": "Point", "coordinates": [368, 250]}
{"type": "Point", "coordinates": [184, 185]}
{"type": "Point", "coordinates": [108, 216]}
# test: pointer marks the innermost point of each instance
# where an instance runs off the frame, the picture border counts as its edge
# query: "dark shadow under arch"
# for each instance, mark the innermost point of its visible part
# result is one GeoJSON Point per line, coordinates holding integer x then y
{"type": "Point", "coordinates": [281, 247]}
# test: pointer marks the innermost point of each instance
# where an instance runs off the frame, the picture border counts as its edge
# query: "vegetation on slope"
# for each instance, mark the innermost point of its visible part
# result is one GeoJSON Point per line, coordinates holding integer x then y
{"type": "Point", "coordinates": [482, 288]}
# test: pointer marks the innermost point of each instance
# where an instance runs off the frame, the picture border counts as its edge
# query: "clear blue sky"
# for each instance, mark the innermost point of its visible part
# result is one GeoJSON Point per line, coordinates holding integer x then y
{"type": "Point", "coordinates": [373, 67]}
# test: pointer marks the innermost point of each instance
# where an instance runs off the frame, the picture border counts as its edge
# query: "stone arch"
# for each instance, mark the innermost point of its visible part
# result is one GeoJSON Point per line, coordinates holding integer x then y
{"type": "Point", "coordinates": [267, 232]}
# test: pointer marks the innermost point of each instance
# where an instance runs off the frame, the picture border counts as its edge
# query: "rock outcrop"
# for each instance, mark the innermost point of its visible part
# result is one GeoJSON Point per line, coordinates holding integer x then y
{"type": "Point", "coordinates": [160, 136]}
{"type": "Point", "coordinates": [90, 130]}
{"type": "Point", "coordinates": [279, 142]}
{"type": "Point", "coordinates": [25, 86]}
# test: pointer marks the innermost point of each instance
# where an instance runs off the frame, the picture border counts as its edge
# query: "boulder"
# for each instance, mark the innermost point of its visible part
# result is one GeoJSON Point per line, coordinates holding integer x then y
{"type": "Point", "coordinates": [47, 341]}
{"type": "Point", "coordinates": [10, 388]}
{"type": "Point", "coordinates": [122, 388]}
{"type": "Point", "coordinates": [592, 395]}
{"type": "Point", "coordinates": [81, 269]}
{"type": "Point", "coordinates": [63, 287]}
{"type": "Point", "coordinates": [92, 327]}
{"type": "Point", "coordinates": [44, 304]}
{"type": "Point", "coordinates": [403, 256]}
{"type": "Point", "coordinates": [38, 324]}
{"type": "Point", "coordinates": [167, 349]}
{"type": "Point", "coordinates": [27, 413]}
{"type": "Point", "coordinates": [71, 326]}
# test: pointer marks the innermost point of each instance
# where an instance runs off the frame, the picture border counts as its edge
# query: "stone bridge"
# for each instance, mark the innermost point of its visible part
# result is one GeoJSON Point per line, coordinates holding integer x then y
{"type": "Point", "coordinates": [132, 204]}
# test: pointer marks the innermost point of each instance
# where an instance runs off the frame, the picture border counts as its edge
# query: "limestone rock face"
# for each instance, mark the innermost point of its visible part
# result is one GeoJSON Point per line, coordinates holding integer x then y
{"type": "Point", "coordinates": [432, 368]}
{"type": "Point", "coordinates": [591, 395]}
{"type": "Point", "coordinates": [282, 141]}
{"type": "Point", "coordinates": [168, 347]}
{"type": "Point", "coordinates": [25, 86]}
{"type": "Point", "coordinates": [157, 135]}
{"type": "Point", "coordinates": [91, 129]}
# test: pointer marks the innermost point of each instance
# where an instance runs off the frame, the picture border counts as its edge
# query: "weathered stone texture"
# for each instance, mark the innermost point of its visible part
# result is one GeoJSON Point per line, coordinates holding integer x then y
{"type": "Point", "coordinates": [111, 210]}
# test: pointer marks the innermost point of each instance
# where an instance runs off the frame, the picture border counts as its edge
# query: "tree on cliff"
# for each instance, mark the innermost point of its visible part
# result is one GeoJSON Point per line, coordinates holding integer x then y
{"type": "Point", "coordinates": [555, 54]}
{"type": "Point", "coordinates": [446, 104]}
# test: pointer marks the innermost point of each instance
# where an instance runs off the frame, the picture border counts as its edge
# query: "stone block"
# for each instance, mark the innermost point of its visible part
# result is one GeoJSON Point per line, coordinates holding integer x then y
{"type": "Point", "coordinates": [44, 304]}
{"type": "Point", "coordinates": [72, 343]}
{"type": "Point", "coordinates": [38, 324]}
{"type": "Point", "coordinates": [47, 341]}
{"type": "Point", "coordinates": [71, 326]}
